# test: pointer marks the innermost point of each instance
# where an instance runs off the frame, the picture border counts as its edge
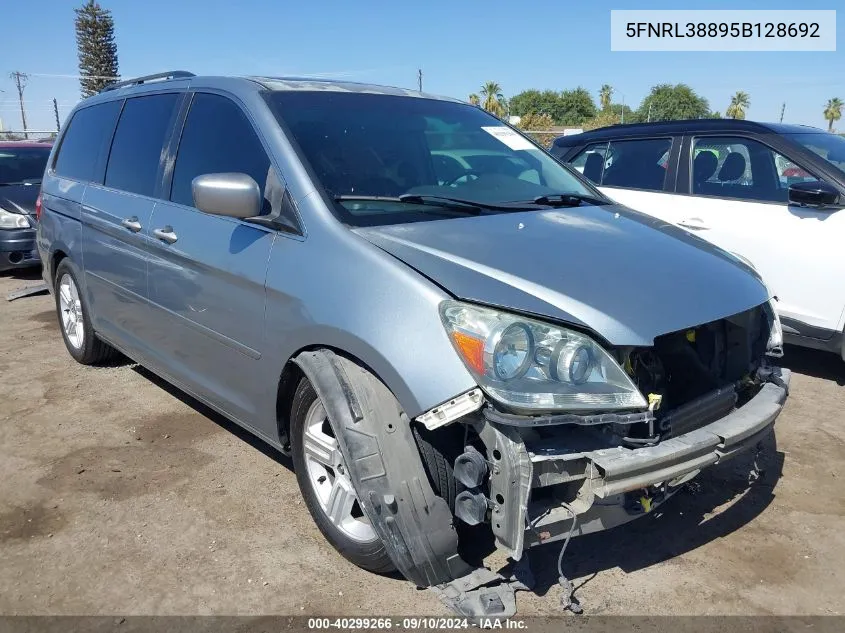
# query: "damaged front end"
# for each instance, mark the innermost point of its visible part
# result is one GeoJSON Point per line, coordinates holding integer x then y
{"type": "Point", "coordinates": [707, 394]}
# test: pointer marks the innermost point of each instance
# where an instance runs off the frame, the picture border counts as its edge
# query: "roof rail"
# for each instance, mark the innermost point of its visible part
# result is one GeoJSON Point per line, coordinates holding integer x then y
{"type": "Point", "coordinates": [171, 74]}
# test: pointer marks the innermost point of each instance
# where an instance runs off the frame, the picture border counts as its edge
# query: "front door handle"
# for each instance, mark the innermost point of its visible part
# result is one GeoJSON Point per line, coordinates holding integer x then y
{"type": "Point", "coordinates": [693, 224]}
{"type": "Point", "coordinates": [132, 224]}
{"type": "Point", "coordinates": [166, 234]}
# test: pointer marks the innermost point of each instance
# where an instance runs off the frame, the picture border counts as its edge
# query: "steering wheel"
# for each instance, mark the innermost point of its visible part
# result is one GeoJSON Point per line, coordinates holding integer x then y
{"type": "Point", "coordinates": [474, 175]}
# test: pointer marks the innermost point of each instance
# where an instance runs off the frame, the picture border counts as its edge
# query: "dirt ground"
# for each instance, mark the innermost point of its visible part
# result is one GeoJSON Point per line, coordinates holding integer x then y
{"type": "Point", "coordinates": [120, 495]}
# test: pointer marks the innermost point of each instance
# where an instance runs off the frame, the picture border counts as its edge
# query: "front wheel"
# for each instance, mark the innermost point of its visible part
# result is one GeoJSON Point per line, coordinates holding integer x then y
{"type": "Point", "coordinates": [327, 487]}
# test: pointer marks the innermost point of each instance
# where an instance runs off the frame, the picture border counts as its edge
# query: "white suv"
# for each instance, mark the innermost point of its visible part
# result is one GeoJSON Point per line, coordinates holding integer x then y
{"type": "Point", "coordinates": [772, 194]}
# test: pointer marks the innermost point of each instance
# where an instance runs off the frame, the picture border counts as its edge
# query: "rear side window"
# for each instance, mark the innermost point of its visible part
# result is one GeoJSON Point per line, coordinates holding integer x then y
{"type": "Point", "coordinates": [138, 142]}
{"type": "Point", "coordinates": [217, 138]}
{"type": "Point", "coordinates": [639, 164]}
{"type": "Point", "coordinates": [87, 134]}
{"type": "Point", "coordinates": [636, 164]}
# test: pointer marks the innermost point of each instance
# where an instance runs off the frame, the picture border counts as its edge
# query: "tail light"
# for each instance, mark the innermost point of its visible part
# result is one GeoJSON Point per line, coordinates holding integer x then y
{"type": "Point", "coordinates": [38, 207]}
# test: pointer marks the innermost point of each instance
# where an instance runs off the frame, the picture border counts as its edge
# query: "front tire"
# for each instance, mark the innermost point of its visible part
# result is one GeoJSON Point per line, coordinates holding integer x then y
{"type": "Point", "coordinates": [75, 321]}
{"type": "Point", "coordinates": [327, 487]}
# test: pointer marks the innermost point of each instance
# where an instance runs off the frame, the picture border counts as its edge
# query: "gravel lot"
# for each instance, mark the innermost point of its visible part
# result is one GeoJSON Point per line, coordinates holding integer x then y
{"type": "Point", "coordinates": [120, 495]}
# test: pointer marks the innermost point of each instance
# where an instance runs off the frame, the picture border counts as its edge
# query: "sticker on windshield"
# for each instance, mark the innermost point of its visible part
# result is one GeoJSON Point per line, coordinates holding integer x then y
{"type": "Point", "coordinates": [508, 136]}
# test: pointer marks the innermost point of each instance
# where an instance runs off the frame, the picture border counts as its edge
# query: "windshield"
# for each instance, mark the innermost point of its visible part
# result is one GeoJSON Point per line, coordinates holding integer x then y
{"type": "Point", "coordinates": [372, 145]}
{"type": "Point", "coordinates": [831, 147]}
{"type": "Point", "coordinates": [22, 165]}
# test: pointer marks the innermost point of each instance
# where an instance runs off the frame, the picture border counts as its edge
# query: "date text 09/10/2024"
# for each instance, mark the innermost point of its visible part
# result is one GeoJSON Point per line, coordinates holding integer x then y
{"type": "Point", "coordinates": [413, 623]}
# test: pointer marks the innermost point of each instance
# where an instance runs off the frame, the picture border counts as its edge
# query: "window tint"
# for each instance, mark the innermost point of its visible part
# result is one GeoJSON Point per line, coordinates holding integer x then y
{"type": "Point", "coordinates": [87, 133]}
{"type": "Point", "coordinates": [729, 167]}
{"type": "Point", "coordinates": [138, 142]}
{"type": "Point", "coordinates": [591, 161]}
{"type": "Point", "coordinates": [217, 138]}
{"type": "Point", "coordinates": [639, 164]}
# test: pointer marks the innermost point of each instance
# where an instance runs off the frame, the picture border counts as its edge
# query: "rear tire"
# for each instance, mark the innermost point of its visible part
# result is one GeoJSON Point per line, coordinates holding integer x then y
{"type": "Point", "coordinates": [74, 319]}
{"type": "Point", "coordinates": [320, 474]}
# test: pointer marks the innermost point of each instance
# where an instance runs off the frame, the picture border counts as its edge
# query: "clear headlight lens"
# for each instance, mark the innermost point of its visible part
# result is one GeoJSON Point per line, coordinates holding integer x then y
{"type": "Point", "coordinates": [533, 366]}
{"type": "Point", "coordinates": [13, 220]}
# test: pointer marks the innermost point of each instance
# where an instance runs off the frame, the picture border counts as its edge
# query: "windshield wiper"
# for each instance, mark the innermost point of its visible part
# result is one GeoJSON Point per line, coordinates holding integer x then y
{"type": "Point", "coordinates": [434, 201]}
{"type": "Point", "coordinates": [567, 199]}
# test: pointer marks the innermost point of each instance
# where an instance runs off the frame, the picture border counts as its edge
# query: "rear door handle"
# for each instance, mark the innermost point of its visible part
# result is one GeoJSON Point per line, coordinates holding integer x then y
{"type": "Point", "coordinates": [693, 224]}
{"type": "Point", "coordinates": [166, 234]}
{"type": "Point", "coordinates": [132, 224]}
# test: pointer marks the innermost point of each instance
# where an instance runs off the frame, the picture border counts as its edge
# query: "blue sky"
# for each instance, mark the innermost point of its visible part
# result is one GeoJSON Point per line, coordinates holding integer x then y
{"type": "Point", "coordinates": [531, 44]}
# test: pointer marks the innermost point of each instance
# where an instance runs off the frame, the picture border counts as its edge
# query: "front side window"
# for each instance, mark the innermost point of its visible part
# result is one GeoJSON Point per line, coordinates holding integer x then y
{"type": "Point", "coordinates": [84, 139]}
{"type": "Point", "coordinates": [23, 165]}
{"type": "Point", "coordinates": [361, 145]}
{"type": "Point", "coordinates": [218, 138]}
{"type": "Point", "coordinates": [591, 161]}
{"type": "Point", "coordinates": [138, 143]}
{"type": "Point", "coordinates": [734, 167]}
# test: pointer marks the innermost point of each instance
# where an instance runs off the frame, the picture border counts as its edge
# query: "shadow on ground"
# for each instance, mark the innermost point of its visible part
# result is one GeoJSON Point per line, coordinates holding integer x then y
{"type": "Point", "coordinates": [222, 421]}
{"type": "Point", "coordinates": [812, 362]}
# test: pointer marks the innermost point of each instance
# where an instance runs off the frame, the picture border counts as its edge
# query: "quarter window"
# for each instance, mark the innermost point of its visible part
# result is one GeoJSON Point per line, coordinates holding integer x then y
{"type": "Point", "coordinates": [138, 143]}
{"type": "Point", "coordinates": [734, 167]}
{"type": "Point", "coordinates": [218, 138]}
{"type": "Point", "coordinates": [87, 133]}
{"type": "Point", "coordinates": [636, 164]}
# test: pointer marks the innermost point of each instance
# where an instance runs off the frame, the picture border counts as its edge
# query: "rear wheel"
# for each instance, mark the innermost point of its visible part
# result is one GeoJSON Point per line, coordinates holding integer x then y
{"type": "Point", "coordinates": [327, 487]}
{"type": "Point", "coordinates": [74, 320]}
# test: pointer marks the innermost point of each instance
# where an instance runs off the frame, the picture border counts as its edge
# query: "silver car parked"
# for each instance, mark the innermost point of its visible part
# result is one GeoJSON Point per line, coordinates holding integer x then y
{"type": "Point", "coordinates": [443, 325]}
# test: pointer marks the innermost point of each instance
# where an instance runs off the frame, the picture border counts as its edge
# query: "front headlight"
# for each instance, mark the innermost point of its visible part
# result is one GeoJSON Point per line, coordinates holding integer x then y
{"type": "Point", "coordinates": [774, 346]}
{"type": "Point", "coordinates": [534, 366]}
{"type": "Point", "coordinates": [13, 220]}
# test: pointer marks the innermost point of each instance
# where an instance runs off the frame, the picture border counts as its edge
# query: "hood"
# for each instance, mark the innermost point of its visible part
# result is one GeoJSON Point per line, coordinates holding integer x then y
{"type": "Point", "coordinates": [19, 198]}
{"type": "Point", "coordinates": [624, 275]}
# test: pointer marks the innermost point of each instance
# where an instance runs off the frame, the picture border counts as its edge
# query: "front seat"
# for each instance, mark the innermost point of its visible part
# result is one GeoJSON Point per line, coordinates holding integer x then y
{"type": "Point", "coordinates": [703, 168]}
{"type": "Point", "coordinates": [733, 168]}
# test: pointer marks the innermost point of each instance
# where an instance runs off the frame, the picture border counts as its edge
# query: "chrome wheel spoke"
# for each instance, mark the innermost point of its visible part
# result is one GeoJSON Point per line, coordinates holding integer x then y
{"type": "Point", "coordinates": [340, 502]}
{"type": "Point", "coordinates": [70, 307]}
{"type": "Point", "coordinates": [321, 448]}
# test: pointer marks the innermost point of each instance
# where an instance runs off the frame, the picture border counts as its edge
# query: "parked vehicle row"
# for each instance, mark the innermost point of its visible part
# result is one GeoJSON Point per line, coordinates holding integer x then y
{"type": "Point", "coordinates": [22, 166]}
{"type": "Point", "coordinates": [770, 193]}
{"type": "Point", "coordinates": [441, 323]}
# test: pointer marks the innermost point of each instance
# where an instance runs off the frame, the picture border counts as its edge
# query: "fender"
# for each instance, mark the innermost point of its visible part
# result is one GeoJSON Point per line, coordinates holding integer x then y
{"type": "Point", "coordinates": [375, 439]}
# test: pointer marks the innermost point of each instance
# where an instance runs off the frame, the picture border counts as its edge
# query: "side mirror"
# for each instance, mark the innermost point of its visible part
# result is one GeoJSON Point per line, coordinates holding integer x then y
{"type": "Point", "coordinates": [232, 195]}
{"type": "Point", "coordinates": [813, 194]}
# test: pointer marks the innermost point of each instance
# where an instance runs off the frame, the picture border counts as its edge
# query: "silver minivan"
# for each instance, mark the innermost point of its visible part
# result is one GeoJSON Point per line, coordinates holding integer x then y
{"type": "Point", "coordinates": [443, 325]}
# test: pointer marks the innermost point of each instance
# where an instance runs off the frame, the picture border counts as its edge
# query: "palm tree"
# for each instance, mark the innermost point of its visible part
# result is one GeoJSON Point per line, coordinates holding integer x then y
{"type": "Point", "coordinates": [833, 112]}
{"type": "Point", "coordinates": [494, 100]}
{"type": "Point", "coordinates": [739, 102]}
{"type": "Point", "coordinates": [605, 96]}
{"type": "Point", "coordinates": [473, 99]}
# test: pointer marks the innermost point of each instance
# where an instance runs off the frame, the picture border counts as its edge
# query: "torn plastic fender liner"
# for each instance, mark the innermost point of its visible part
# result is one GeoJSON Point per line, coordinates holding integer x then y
{"type": "Point", "coordinates": [393, 490]}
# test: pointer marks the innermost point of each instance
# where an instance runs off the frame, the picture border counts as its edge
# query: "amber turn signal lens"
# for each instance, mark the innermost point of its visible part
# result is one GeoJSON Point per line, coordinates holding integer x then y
{"type": "Point", "coordinates": [472, 349]}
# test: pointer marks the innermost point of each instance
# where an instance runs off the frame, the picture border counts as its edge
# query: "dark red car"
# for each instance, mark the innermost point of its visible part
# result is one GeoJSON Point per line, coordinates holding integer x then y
{"type": "Point", "coordinates": [22, 165]}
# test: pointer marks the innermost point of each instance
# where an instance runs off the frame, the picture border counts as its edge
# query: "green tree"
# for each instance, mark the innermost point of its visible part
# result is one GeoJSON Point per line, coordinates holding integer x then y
{"type": "Point", "coordinates": [96, 48]}
{"type": "Point", "coordinates": [473, 99]}
{"type": "Point", "coordinates": [739, 103]}
{"type": "Point", "coordinates": [534, 101]}
{"type": "Point", "coordinates": [833, 112]}
{"type": "Point", "coordinates": [534, 122]}
{"type": "Point", "coordinates": [605, 97]}
{"type": "Point", "coordinates": [666, 102]}
{"type": "Point", "coordinates": [576, 106]}
{"type": "Point", "coordinates": [493, 99]}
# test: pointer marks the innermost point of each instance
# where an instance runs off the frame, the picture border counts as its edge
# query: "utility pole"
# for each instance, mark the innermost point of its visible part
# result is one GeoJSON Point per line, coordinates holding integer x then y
{"type": "Point", "coordinates": [782, 109]}
{"type": "Point", "coordinates": [649, 112]}
{"type": "Point", "coordinates": [56, 112]}
{"type": "Point", "coordinates": [623, 109]}
{"type": "Point", "coordinates": [419, 78]}
{"type": "Point", "coordinates": [20, 82]}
